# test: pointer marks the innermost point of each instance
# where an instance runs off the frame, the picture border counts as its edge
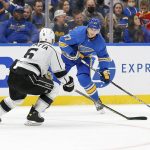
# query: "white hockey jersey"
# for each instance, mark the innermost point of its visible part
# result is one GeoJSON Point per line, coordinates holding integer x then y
{"type": "Point", "coordinates": [44, 55]}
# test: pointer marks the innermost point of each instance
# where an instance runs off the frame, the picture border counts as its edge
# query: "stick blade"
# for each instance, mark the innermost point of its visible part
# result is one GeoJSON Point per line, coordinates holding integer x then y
{"type": "Point", "coordinates": [137, 118]}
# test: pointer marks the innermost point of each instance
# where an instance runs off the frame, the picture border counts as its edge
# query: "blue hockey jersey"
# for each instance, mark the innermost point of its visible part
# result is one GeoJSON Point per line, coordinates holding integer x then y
{"type": "Point", "coordinates": [18, 31]}
{"type": "Point", "coordinates": [77, 40]}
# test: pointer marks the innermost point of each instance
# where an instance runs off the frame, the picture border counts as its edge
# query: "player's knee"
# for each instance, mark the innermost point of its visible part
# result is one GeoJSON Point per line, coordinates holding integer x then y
{"type": "Point", "coordinates": [84, 79]}
{"type": "Point", "coordinates": [46, 84]}
{"type": "Point", "coordinates": [16, 97]}
{"type": "Point", "coordinates": [54, 93]}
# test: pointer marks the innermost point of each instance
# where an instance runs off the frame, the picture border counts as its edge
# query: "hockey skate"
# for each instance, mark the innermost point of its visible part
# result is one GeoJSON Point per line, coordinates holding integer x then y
{"type": "Point", "coordinates": [34, 118]}
{"type": "Point", "coordinates": [99, 107]}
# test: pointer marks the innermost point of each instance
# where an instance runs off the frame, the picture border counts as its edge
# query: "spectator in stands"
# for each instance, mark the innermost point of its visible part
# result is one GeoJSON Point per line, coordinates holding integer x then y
{"type": "Point", "coordinates": [102, 8]}
{"type": "Point", "coordinates": [38, 17]}
{"type": "Point", "coordinates": [78, 20]}
{"type": "Point", "coordinates": [117, 30]}
{"type": "Point", "coordinates": [124, 2]}
{"type": "Point", "coordinates": [30, 2]}
{"type": "Point", "coordinates": [27, 12]}
{"type": "Point", "coordinates": [9, 6]}
{"type": "Point", "coordinates": [65, 6]}
{"type": "Point", "coordinates": [131, 8]}
{"type": "Point", "coordinates": [76, 5]}
{"type": "Point", "coordinates": [4, 3]}
{"type": "Point", "coordinates": [60, 27]}
{"type": "Point", "coordinates": [3, 14]}
{"type": "Point", "coordinates": [53, 5]}
{"type": "Point", "coordinates": [17, 29]}
{"type": "Point", "coordinates": [19, 2]}
{"type": "Point", "coordinates": [121, 19]}
{"type": "Point", "coordinates": [135, 32]}
{"type": "Point", "coordinates": [144, 14]}
{"type": "Point", "coordinates": [90, 11]}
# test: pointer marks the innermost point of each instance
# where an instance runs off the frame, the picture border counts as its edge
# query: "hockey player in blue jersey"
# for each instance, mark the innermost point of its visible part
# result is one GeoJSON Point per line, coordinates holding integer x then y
{"type": "Point", "coordinates": [80, 44]}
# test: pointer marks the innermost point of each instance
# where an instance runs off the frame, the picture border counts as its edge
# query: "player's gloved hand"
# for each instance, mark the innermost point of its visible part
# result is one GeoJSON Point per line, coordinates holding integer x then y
{"type": "Point", "coordinates": [48, 75]}
{"type": "Point", "coordinates": [69, 86]}
{"type": "Point", "coordinates": [105, 76]}
{"type": "Point", "coordinates": [80, 56]}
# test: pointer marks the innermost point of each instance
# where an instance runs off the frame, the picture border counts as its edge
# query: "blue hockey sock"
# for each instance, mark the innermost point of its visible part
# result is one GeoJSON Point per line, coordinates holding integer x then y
{"type": "Point", "coordinates": [89, 86]}
{"type": "Point", "coordinates": [92, 91]}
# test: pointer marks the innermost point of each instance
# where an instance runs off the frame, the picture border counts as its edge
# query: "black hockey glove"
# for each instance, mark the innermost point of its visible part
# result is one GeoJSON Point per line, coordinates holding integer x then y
{"type": "Point", "coordinates": [69, 86]}
{"type": "Point", "coordinates": [105, 76]}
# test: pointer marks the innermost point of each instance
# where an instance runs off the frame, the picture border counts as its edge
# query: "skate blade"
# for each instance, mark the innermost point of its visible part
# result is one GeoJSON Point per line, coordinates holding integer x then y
{"type": "Point", "coordinates": [101, 111]}
{"type": "Point", "coordinates": [32, 123]}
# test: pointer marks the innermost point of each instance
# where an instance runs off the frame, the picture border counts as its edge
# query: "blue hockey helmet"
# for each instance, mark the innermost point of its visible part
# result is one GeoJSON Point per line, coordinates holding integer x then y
{"type": "Point", "coordinates": [94, 23]}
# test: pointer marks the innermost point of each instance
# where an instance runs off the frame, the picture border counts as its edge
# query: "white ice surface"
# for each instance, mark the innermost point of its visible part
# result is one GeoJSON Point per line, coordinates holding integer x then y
{"type": "Point", "coordinates": [77, 128]}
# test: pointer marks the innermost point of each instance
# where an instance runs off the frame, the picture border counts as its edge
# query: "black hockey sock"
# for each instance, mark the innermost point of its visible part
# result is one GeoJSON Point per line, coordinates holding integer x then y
{"type": "Point", "coordinates": [6, 105]}
{"type": "Point", "coordinates": [4, 108]}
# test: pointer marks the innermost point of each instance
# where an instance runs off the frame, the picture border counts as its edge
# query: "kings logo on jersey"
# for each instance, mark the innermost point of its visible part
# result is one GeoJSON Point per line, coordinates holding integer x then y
{"type": "Point", "coordinates": [96, 76]}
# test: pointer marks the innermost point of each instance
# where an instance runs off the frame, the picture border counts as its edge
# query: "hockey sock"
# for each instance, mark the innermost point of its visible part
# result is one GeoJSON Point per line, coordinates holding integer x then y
{"type": "Point", "coordinates": [6, 105]}
{"type": "Point", "coordinates": [88, 85]}
{"type": "Point", "coordinates": [45, 101]}
{"type": "Point", "coordinates": [92, 91]}
{"type": "Point", "coordinates": [42, 103]}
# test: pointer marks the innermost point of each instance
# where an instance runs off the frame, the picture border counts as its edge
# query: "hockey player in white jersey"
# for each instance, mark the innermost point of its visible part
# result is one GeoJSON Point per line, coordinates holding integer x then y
{"type": "Point", "coordinates": [29, 75]}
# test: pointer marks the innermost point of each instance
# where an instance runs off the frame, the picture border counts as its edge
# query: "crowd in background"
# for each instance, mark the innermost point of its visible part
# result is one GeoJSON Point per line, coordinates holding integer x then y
{"type": "Point", "coordinates": [21, 20]}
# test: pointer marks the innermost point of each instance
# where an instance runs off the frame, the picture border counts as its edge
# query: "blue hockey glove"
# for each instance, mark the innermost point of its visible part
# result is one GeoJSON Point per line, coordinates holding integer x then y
{"type": "Point", "coordinates": [105, 76]}
{"type": "Point", "coordinates": [69, 86]}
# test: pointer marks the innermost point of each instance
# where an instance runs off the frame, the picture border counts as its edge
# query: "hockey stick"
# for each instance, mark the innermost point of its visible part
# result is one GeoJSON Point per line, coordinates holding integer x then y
{"type": "Point", "coordinates": [129, 93]}
{"type": "Point", "coordinates": [114, 111]}
{"type": "Point", "coordinates": [116, 84]}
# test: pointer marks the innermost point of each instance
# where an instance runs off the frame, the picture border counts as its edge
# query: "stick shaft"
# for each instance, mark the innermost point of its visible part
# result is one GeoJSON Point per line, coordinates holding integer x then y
{"type": "Point", "coordinates": [135, 97]}
{"type": "Point", "coordinates": [114, 111]}
{"type": "Point", "coordinates": [102, 104]}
